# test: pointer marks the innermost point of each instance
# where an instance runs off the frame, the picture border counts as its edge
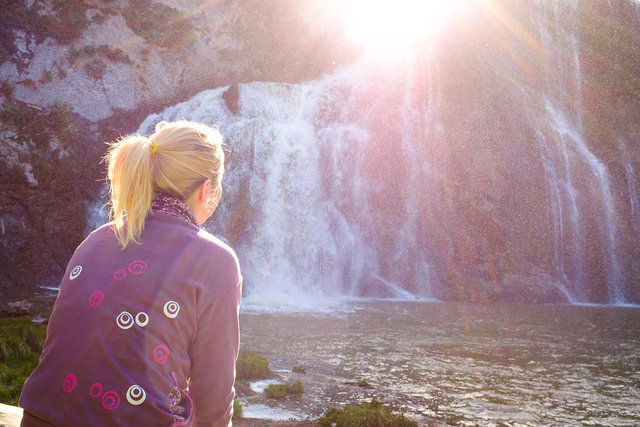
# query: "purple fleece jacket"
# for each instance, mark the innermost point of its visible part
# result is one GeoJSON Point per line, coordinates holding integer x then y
{"type": "Point", "coordinates": [142, 336]}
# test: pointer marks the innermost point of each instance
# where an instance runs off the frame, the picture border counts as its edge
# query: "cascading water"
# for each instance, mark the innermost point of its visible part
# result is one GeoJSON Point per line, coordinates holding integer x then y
{"type": "Point", "coordinates": [418, 179]}
{"type": "Point", "coordinates": [634, 201]}
{"type": "Point", "coordinates": [563, 166]}
{"type": "Point", "coordinates": [315, 166]}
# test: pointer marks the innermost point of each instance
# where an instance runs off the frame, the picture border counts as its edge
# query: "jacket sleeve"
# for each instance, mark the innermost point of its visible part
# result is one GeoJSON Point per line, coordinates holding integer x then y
{"type": "Point", "coordinates": [214, 354]}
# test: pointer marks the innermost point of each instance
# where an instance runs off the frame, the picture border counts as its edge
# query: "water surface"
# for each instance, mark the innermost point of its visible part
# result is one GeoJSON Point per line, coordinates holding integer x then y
{"type": "Point", "coordinates": [448, 364]}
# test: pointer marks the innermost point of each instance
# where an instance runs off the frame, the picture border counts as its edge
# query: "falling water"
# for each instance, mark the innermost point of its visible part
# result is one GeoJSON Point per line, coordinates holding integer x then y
{"type": "Point", "coordinates": [634, 201]}
{"type": "Point", "coordinates": [353, 185]}
{"type": "Point", "coordinates": [562, 171]}
{"type": "Point", "coordinates": [322, 226]}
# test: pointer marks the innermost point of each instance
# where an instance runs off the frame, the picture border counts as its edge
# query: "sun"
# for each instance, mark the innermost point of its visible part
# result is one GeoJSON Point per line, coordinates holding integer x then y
{"type": "Point", "coordinates": [396, 24]}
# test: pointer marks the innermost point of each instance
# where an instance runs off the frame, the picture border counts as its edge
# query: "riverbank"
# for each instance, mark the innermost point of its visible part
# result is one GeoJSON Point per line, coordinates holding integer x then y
{"type": "Point", "coordinates": [452, 364]}
{"type": "Point", "coordinates": [449, 364]}
{"type": "Point", "coordinates": [10, 416]}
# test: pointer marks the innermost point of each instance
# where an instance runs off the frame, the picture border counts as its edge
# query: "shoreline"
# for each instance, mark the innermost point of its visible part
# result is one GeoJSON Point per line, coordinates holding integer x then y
{"type": "Point", "coordinates": [10, 416]}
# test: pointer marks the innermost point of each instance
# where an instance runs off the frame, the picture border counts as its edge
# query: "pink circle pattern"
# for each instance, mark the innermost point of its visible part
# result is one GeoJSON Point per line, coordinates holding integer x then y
{"type": "Point", "coordinates": [96, 298]}
{"type": "Point", "coordinates": [69, 383]}
{"type": "Point", "coordinates": [110, 400]}
{"type": "Point", "coordinates": [119, 274]}
{"type": "Point", "coordinates": [95, 390]}
{"type": "Point", "coordinates": [161, 354]}
{"type": "Point", "coordinates": [137, 267]}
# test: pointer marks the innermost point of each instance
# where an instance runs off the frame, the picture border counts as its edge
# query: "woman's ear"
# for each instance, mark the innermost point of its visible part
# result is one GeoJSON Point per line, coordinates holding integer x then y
{"type": "Point", "coordinates": [203, 191]}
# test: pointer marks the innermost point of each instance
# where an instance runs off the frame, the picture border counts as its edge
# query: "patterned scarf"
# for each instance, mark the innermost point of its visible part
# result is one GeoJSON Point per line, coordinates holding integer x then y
{"type": "Point", "coordinates": [173, 206]}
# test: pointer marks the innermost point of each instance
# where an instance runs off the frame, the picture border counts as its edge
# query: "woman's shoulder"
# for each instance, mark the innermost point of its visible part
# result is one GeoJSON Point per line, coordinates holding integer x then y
{"type": "Point", "coordinates": [216, 242]}
{"type": "Point", "coordinates": [200, 240]}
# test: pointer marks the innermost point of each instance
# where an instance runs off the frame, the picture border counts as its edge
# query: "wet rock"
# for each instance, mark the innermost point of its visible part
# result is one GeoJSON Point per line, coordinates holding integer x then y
{"type": "Point", "coordinates": [15, 308]}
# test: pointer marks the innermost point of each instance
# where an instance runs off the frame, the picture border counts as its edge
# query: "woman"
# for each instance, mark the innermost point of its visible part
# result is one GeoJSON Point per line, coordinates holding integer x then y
{"type": "Point", "coordinates": [145, 327]}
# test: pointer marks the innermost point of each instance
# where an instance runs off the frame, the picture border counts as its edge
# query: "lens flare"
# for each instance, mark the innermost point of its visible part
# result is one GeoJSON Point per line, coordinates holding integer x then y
{"type": "Point", "coordinates": [384, 24]}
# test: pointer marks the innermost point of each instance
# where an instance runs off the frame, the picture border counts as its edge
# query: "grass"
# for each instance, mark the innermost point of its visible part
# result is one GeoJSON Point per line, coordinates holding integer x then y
{"type": "Point", "coordinates": [20, 347]}
{"type": "Point", "coordinates": [279, 391]}
{"type": "Point", "coordinates": [237, 410]}
{"type": "Point", "coordinates": [365, 414]}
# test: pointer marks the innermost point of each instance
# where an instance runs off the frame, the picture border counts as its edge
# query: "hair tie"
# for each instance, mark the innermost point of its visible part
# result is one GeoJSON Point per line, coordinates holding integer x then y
{"type": "Point", "coordinates": [154, 148]}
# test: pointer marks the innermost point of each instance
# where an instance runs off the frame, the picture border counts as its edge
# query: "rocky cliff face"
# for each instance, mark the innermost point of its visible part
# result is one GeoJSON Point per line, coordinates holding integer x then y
{"type": "Point", "coordinates": [499, 163]}
{"type": "Point", "coordinates": [76, 74]}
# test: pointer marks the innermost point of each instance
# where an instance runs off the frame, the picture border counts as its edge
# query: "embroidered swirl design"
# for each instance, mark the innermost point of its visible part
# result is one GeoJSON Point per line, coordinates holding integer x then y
{"type": "Point", "coordinates": [124, 320]}
{"type": "Point", "coordinates": [110, 400]}
{"type": "Point", "coordinates": [137, 267]}
{"type": "Point", "coordinates": [142, 319]}
{"type": "Point", "coordinates": [171, 309]}
{"type": "Point", "coordinates": [161, 354]}
{"type": "Point", "coordinates": [136, 395]}
{"type": "Point", "coordinates": [75, 272]}
{"type": "Point", "coordinates": [95, 390]}
{"type": "Point", "coordinates": [96, 298]}
{"type": "Point", "coordinates": [69, 383]}
{"type": "Point", "coordinates": [119, 274]}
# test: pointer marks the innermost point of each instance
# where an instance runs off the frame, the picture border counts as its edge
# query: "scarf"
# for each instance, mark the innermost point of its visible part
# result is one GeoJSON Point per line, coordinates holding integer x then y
{"type": "Point", "coordinates": [171, 205]}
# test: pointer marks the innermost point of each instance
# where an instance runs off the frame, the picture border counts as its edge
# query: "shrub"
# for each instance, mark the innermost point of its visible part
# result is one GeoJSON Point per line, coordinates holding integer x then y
{"type": "Point", "coordinates": [299, 369]}
{"type": "Point", "coordinates": [237, 410]}
{"type": "Point", "coordinates": [295, 388]}
{"type": "Point", "coordinates": [252, 366]}
{"type": "Point", "coordinates": [279, 391]}
{"type": "Point", "coordinates": [276, 391]}
{"type": "Point", "coordinates": [365, 414]}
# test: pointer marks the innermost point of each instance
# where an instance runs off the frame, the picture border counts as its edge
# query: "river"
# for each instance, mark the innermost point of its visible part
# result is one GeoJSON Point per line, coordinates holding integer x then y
{"type": "Point", "coordinates": [452, 364]}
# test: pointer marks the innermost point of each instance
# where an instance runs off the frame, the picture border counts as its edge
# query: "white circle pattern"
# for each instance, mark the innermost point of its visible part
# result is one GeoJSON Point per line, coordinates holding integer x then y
{"type": "Point", "coordinates": [124, 320]}
{"type": "Point", "coordinates": [75, 272]}
{"type": "Point", "coordinates": [142, 319]}
{"type": "Point", "coordinates": [171, 309]}
{"type": "Point", "coordinates": [136, 395]}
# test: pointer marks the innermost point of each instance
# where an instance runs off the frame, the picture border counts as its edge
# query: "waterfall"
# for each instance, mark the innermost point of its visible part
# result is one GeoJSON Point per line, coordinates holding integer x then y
{"type": "Point", "coordinates": [445, 175]}
{"type": "Point", "coordinates": [632, 188]}
{"type": "Point", "coordinates": [562, 165]}
{"type": "Point", "coordinates": [318, 170]}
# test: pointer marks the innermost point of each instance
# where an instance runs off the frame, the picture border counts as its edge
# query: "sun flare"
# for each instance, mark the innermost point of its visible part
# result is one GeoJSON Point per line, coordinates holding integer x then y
{"type": "Point", "coordinates": [396, 23]}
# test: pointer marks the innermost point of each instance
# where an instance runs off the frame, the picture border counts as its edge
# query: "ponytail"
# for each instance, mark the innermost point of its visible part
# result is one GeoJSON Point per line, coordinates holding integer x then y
{"type": "Point", "coordinates": [131, 187]}
{"type": "Point", "coordinates": [174, 160]}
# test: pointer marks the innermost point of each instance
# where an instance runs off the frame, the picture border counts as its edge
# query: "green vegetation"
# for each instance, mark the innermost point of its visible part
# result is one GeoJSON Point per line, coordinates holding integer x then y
{"type": "Point", "coordinates": [237, 410]}
{"type": "Point", "coordinates": [365, 414]}
{"type": "Point", "coordinates": [159, 25]}
{"type": "Point", "coordinates": [299, 369]}
{"type": "Point", "coordinates": [276, 391]}
{"type": "Point", "coordinates": [94, 58]}
{"type": "Point", "coordinates": [62, 20]}
{"type": "Point", "coordinates": [20, 346]}
{"type": "Point", "coordinates": [103, 51]}
{"type": "Point", "coordinates": [279, 391]}
{"type": "Point", "coordinates": [65, 162]}
{"type": "Point", "coordinates": [251, 366]}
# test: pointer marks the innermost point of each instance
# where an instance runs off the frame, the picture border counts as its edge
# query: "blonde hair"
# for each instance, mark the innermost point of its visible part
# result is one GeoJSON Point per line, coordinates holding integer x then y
{"type": "Point", "coordinates": [175, 159]}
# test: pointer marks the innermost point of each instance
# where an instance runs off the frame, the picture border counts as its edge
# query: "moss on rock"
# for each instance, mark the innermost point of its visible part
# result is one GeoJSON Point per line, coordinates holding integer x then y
{"type": "Point", "coordinates": [365, 414]}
